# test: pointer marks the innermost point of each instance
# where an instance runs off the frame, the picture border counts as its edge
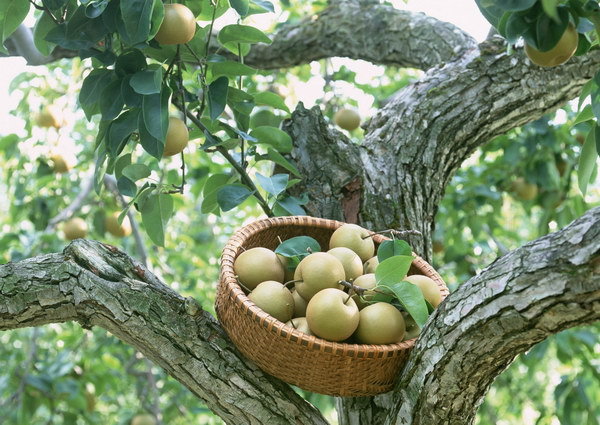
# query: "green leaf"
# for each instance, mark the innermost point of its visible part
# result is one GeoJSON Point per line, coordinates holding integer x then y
{"type": "Point", "coordinates": [206, 9]}
{"type": "Point", "coordinates": [271, 99]}
{"type": "Point", "coordinates": [587, 160]}
{"type": "Point", "coordinates": [232, 195]}
{"type": "Point", "coordinates": [279, 159]}
{"type": "Point", "coordinates": [147, 81]}
{"type": "Point", "coordinates": [126, 186]}
{"type": "Point", "coordinates": [514, 5]}
{"type": "Point", "coordinates": [233, 34]}
{"type": "Point", "coordinates": [151, 144]}
{"type": "Point", "coordinates": [290, 205]}
{"type": "Point", "coordinates": [130, 62]}
{"type": "Point", "coordinates": [156, 212]}
{"type": "Point", "coordinates": [274, 137]}
{"type": "Point", "coordinates": [393, 270]}
{"type": "Point", "coordinates": [131, 98]}
{"type": "Point", "coordinates": [91, 90]}
{"type": "Point", "coordinates": [136, 16]}
{"type": "Point", "coordinates": [99, 171]}
{"type": "Point", "coordinates": [240, 6]}
{"type": "Point", "coordinates": [111, 101]}
{"type": "Point", "coordinates": [261, 6]}
{"type": "Point", "coordinates": [136, 172]}
{"type": "Point", "coordinates": [275, 184]}
{"type": "Point", "coordinates": [120, 130]}
{"type": "Point", "coordinates": [42, 27]}
{"type": "Point", "coordinates": [388, 249]}
{"type": "Point", "coordinates": [411, 298]}
{"type": "Point", "coordinates": [549, 7]}
{"type": "Point", "coordinates": [230, 69]}
{"type": "Point", "coordinates": [12, 13]}
{"type": "Point", "coordinates": [155, 108]}
{"type": "Point", "coordinates": [122, 162]}
{"type": "Point", "coordinates": [209, 193]}
{"type": "Point", "coordinates": [298, 247]}
{"type": "Point", "coordinates": [217, 97]}
{"type": "Point", "coordinates": [585, 115]}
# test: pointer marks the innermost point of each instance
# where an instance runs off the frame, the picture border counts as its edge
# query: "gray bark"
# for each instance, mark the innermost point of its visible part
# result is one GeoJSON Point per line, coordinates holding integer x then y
{"type": "Point", "coordinates": [97, 285]}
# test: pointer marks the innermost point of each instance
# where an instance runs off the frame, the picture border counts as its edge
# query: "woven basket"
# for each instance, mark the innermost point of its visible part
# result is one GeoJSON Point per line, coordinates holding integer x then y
{"type": "Point", "coordinates": [308, 362]}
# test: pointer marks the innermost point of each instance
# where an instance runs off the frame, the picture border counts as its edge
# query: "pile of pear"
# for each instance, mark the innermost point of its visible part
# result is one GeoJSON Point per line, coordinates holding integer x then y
{"type": "Point", "coordinates": [319, 304]}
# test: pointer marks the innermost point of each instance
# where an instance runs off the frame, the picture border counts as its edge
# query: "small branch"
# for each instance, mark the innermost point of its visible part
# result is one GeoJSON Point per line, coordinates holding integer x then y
{"type": "Point", "coordinates": [111, 185]}
{"type": "Point", "coordinates": [75, 206]}
{"type": "Point", "coordinates": [396, 233]}
{"type": "Point", "coordinates": [245, 178]}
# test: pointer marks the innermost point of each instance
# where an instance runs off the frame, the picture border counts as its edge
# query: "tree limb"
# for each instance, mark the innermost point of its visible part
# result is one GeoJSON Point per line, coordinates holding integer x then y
{"type": "Point", "coordinates": [540, 289]}
{"type": "Point", "coordinates": [377, 33]}
{"type": "Point", "coordinates": [359, 30]}
{"type": "Point", "coordinates": [98, 285]}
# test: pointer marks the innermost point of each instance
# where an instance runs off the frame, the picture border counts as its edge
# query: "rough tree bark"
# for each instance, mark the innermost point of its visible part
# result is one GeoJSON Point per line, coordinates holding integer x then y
{"type": "Point", "coordinates": [394, 179]}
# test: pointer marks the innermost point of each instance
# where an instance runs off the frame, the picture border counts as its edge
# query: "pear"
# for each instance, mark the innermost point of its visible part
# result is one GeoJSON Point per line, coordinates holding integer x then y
{"type": "Point", "coordinates": [380, 323]}
{"type": "Point", "coordinates": [352, 263]}
{"type": "Point", "coordinates": [430, 289]}
{"type": "Point", "coordinates": [351, 236]}
{"type": "Point", "coordinates": [273, 298]}
{"type": "Point", "coordinates": [288, 273]}
{"type": "Point", "coordinates": [366, 281]}
{"type": "Point", "coordinates": [370, 265]}
{"type": "Point", "coordinates": [257, 265]}
{"type": "Point", "coordinates": [299, 304]}
{"type": "Point", "coordinates": [412, 329]}
{"type": "Point", "coordinates": [331, 315]}
{"type": "Point", "coordinates": [318, 271]}
{"type": "Point", "coordinates": [300, 324]}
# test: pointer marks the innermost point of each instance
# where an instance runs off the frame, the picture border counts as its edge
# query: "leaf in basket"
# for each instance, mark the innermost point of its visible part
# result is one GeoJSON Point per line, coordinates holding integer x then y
{"type": "Point", "coordinates": [393, 270]}
{"type": "Point", "coordinates": [411, 299]}
{"type": "Point", "coordinates": [298, 247]}
{"type": "Point", "coordinates": [391, 248]}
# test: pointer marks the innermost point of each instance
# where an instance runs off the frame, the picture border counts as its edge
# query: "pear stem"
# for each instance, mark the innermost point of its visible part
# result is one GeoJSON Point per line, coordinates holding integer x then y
{"type": "Point", "coordinates": [242, 285]}
{"type": "Point", "coordinates": [394, 232]}
{"type": "Point", "coordinates": [293, 324]}
{"type": "Point", "coordinates": [291, 281]}
{"type": "Point", "coordinates": [350, 293]}
{"type": "Point", "coordinates": [358, 289]}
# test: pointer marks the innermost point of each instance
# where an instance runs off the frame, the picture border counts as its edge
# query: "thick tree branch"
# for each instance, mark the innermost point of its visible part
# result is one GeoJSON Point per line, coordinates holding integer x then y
{"type": "Point", "coordinates": [20, 43]}
{"type": "Point", "coordinates": [377, 33]}
{"type": "Point", "coordinates": [359, 30]}
{"type": "Point", "coordinates": [540, 289]}
{"type": "Point", "coordinates": [97, 285]}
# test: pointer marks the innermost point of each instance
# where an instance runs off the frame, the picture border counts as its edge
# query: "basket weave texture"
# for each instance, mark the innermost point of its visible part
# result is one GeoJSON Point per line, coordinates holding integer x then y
{"type": "Point", "coordinates": [306, 361]}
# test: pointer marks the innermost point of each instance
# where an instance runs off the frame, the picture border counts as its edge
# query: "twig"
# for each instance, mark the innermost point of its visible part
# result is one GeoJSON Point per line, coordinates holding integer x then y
{"type": "Point", "coordinates": [394, 232]}
{"type": "Point", "coordinates": [111, 184]}
{"type": "Point", "coordinates": [75, 206]}
{"type": "Point", "coordinates": [243, 174]}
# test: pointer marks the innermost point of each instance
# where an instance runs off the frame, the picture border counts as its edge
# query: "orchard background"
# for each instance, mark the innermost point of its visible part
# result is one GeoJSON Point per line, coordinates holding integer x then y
{"type": "Point", "coordinates": [451, 129]}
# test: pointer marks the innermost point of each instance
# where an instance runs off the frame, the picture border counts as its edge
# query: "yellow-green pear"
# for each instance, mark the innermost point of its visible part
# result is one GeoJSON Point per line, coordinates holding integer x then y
{"type": "Point", "coordinates": [274, 298]}
{"type": "Point", "coordinates": [331, 315]}
{"type": "Point", "coordinates": [366, 281]}
{"type": "Point", "coordinates": [355, 238]}
{"type": "Point", "coordinates": [299, 304]}
{"type": "Point", "coordinates": [380, 323]}
{"type": "Point", "coordinates": [257, 265]}
{"type": "Point", "coordinates": [430, 289]}
{"type": "Point", "coordinates": [352, 263]}
{"type": "Point", "coordinates": [300, 324]}
{"type": "Point", "coordinates": [370, 265]}
{"type": "Point", "coordinates": [318, 271]}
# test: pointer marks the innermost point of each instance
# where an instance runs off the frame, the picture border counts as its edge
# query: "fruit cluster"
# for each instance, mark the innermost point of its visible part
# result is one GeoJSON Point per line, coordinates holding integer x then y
{"type": "Point", "coordinates": [345, 294]}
